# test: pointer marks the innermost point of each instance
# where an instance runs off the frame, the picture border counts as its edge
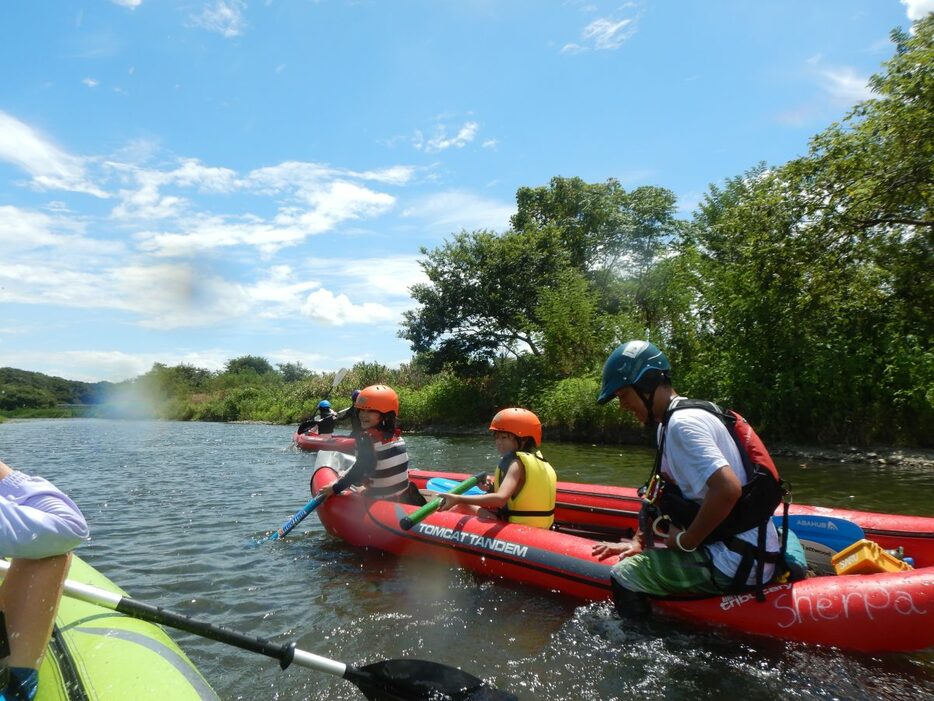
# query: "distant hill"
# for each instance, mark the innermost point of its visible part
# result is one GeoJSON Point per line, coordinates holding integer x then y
{"type": "Point", "coordinates": [22, 389]}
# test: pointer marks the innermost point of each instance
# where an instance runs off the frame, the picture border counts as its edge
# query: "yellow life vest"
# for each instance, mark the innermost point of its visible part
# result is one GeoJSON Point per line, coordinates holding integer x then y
{"type": "Point", "coordinates": [534, 503]}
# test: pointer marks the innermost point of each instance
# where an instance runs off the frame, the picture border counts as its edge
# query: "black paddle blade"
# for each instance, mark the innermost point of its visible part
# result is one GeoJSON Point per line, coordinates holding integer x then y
{"type": "Point", "coordinates": [419, 680]}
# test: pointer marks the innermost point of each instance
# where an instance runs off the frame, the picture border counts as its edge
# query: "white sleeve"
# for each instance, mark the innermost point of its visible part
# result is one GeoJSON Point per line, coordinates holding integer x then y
{"type": "Point", "coordinates": [36, 519]}
{"type": "Point", "coordinates": [693, 453]}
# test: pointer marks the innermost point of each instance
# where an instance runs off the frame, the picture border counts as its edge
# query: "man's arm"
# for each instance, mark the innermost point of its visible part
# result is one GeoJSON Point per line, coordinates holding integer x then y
{"type": "Point", "coordinates": [723, 491]}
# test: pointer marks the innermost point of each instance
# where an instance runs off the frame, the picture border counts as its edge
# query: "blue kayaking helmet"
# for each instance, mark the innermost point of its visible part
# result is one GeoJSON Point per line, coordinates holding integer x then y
{"type": "Point", "coordinates": [324, 404]}
{"type": "Point", "coordinates": [631, 363]}
{"type": "Point", "coordinates": [353, 395]}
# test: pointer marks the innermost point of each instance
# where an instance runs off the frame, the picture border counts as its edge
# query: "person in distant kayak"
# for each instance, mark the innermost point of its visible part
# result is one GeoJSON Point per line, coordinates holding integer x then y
{"type": "Point", "coordinates": [701, 470]}
{"type": "Point", "coordinates": [382, 464]}
{"type": "Point", "coordinates": [322, 421]}
{"type": "Point", "coordinates": [524, 485]}
{"type": "Point", "coordinates": [352, 414]}
{"type": "Point", "coordinates": [325, 419]}
{"type": "Point", "coordinates": [39, 527]}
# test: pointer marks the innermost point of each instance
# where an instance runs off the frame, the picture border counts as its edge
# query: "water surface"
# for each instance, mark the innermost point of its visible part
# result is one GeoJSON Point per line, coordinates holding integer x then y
{"type": "Point", "coordinates": [175, 507]}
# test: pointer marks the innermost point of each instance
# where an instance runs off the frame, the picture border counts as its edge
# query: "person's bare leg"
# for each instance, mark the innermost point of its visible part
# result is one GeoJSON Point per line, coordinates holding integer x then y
{"type": "Point", "coordinates": [29, 597]}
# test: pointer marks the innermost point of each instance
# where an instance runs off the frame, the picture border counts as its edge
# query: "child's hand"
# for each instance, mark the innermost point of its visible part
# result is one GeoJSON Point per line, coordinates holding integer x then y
{"type": "Point", "coordinates": [447, 501]}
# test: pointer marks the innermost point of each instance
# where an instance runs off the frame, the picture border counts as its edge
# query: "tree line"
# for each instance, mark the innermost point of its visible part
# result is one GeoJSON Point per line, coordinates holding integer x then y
{"type": "Point", "coordinates": [801, 294]}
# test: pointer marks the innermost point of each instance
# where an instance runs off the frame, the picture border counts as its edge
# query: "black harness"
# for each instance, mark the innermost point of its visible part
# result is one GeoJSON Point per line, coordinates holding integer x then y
{"type": "Point", "coordinates": [664, 501]}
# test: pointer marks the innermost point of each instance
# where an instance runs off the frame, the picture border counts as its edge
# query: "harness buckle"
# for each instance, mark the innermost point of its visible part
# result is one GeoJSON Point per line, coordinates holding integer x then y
{"type": "Point", "coordinates": [653, 489]}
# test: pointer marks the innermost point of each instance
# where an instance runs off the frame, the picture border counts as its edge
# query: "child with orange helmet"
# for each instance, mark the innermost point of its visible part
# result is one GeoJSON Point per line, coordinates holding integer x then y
{"type": "Point", "coordinates": [382, 464]}
{"type": "Point", "coordinates": [524, 485]}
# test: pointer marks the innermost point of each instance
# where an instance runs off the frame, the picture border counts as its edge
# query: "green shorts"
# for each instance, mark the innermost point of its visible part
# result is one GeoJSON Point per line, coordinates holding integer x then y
{"type": "Point", "coordinates": [662, 572]}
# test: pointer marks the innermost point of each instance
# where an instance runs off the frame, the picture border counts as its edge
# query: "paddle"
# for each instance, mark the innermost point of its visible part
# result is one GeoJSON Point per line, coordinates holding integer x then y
{"type": "Point", "coordinates": [334, 459]}
{"type": "Point", "coordinates": [416, 516]}
{"type": "Point", "coordinates": [387, 679]}
{"type": "Point", "coordinates": [822, 537]}
{"type": "Point", "coordinates": [338, 376]}
{"type": "Point", "coordinates": [298, 517]}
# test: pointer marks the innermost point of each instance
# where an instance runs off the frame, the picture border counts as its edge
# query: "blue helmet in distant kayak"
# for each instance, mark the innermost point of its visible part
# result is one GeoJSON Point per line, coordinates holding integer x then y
{"type": "Point", "coordinates": [628, 364]}
{"type": "Point", "coordinates": [324, 404]}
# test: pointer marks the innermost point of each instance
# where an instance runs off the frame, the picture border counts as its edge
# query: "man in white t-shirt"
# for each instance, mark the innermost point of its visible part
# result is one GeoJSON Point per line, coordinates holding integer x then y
{"type": "Point", "coordinates": [701, 458]}
{"type": "Point", "coordinates": [39, 526]}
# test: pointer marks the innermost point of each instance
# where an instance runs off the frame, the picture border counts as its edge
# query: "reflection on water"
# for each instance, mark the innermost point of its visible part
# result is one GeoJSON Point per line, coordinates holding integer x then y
{"type": "Point", "coordinates": [174, 509]}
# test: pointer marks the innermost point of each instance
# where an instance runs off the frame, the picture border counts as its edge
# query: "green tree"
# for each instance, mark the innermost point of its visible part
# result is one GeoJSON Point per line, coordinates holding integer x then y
{"type": "Point", "coordinates": [815, 276]}
{"type": "Point", "coordinates": [483, 295]}
{"type": "Point", "coordinates": [293, 372]}
{"type": "Point", "coordinates": [249, 363]}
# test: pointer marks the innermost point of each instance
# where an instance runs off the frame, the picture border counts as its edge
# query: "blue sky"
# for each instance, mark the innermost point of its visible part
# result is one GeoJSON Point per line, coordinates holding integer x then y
{"type": "Point", "coordinates": [197, 180]}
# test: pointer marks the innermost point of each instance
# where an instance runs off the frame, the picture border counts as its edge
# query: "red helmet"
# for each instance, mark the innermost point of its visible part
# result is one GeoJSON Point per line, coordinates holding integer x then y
{"type": "Point", "coordinates": [378, 398]}
{"type": "Point", "coordinates": [519, 422]}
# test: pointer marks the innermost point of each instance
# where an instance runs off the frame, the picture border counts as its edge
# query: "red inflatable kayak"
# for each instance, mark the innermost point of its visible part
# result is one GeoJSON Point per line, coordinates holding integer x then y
{"type": "Point", "coordinates": [314, 442]}
{"type": "Point", "coordinates": [892, 612]}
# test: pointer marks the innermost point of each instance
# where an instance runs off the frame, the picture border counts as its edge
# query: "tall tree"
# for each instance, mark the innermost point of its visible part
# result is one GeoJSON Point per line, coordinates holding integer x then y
{"type": "Point", "coordinates": [482, 296]}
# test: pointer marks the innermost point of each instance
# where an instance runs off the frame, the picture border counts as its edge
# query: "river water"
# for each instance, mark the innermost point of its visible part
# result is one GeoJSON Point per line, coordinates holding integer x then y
{"type": "Point", "coordinates": [175, 510]}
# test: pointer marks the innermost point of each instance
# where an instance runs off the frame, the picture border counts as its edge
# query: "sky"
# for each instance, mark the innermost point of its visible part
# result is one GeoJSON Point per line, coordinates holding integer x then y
{"type": "Point", "coordinates": [190, 181]}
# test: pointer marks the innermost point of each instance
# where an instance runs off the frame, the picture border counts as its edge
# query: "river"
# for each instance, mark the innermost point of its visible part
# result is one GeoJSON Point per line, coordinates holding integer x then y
{"type": "Point", "coordinates": [175, 510]}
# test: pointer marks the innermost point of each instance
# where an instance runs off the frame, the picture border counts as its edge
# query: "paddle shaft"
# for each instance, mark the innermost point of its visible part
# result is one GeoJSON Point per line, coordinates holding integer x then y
{"type": "Point", "coordinates": [286, 654]}
{"type": "Point", "coordinates": [417, 680]}
{"type": "Point", "coordinates": [298, 517]}
{"type": "Point", "coordinates": [416, 516]}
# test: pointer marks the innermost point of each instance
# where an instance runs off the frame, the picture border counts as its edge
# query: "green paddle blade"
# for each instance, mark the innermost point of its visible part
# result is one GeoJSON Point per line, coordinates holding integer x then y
{"type": "Point", "coordinates": [420, 680]}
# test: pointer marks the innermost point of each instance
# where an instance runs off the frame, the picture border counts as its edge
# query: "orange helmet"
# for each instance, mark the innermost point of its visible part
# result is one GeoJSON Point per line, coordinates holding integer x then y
{"type": "Point", "coordinates": [519, 422]}
{"type": "Point", "coordinates": [378, 398]}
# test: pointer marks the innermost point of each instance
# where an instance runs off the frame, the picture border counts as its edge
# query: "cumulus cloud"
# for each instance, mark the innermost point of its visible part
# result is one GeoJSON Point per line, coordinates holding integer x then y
{"type": "Point", "coordinates": [337, 310]}
{"type": "Point", "coordinates": [132, 4]}
{"type": "Point", "coordinates": [310, 199]}
{"type": "Point", "coordinates": [918, 9]}
{"type": "Point", "coordinates": [224, 17]}
{"type": "Point", "coordinates": [90, 82]}
{"type": "Point", "coordinates": [50, 167]}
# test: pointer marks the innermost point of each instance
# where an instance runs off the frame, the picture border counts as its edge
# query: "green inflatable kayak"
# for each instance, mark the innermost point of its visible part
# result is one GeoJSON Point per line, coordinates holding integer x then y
{"type": "Point", "coordinates": [98, 655]}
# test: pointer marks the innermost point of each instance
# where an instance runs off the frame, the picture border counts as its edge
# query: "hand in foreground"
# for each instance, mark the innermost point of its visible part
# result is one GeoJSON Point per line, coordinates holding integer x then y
{"type": "Point", "coordinates": [628, 549]}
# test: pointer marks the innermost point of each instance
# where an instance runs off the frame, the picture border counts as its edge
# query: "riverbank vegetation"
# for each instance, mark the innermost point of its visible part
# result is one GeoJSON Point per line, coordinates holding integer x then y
{"type": "Point", "coordinates": [801, 294]}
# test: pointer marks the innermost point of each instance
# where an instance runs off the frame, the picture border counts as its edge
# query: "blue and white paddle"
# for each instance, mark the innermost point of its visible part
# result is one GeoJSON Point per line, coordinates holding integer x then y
{"type": "Point", "coordinates": [822, 537]}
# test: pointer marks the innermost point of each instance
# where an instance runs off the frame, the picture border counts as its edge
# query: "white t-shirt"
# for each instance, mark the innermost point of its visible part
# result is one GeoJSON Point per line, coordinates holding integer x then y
{"type": "Point", "coordinates": [697, 444]}
{"type": "Point", "coordinates": [36, 519]}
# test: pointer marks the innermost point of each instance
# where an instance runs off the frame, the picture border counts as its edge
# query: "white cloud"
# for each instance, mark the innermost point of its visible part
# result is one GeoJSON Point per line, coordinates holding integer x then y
{"type": "Point", "coordinates": [918, 9]}
{"type": "Point", "coordinates": [132, 4]}
{"type": "Point", "coordinates": [384, 277]}
{"type": "Point", "coordinates": [337, 310]}
{"type": "Point", "coordinates": [603, 34]}
{"type": "Point", "coordinates": [175, 296]}
{"type": "Point", "coordinates": [224, 17]}
{"type": "Point", "coordinates": [311, 199]}
{"type": "Point", "coordinates": [451, 211]}
{"type": "Point", "coordinates": [55, 236]}
{"type": "Point", "coordinates": [441, 141]}
{"type": "Point", "coordinates": [112, 366]}
{"type": "Point", "coordinates": [90, 82]}
{"type": "Point", "coordinates": [49, 166]}
{"type": "Point", "coordinates": [844, 85]}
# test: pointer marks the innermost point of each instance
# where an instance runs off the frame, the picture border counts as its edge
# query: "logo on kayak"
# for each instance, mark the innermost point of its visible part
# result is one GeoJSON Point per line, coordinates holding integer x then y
{"type": "Point", "coordinates": [472, 539]}
{"type": "Point", "coordinates": [823, 525]}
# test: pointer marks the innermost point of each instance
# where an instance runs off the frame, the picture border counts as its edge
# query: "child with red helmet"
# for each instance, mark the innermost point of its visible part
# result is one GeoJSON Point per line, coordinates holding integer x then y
{"type": "Point", "coordinates": [524, 485]}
